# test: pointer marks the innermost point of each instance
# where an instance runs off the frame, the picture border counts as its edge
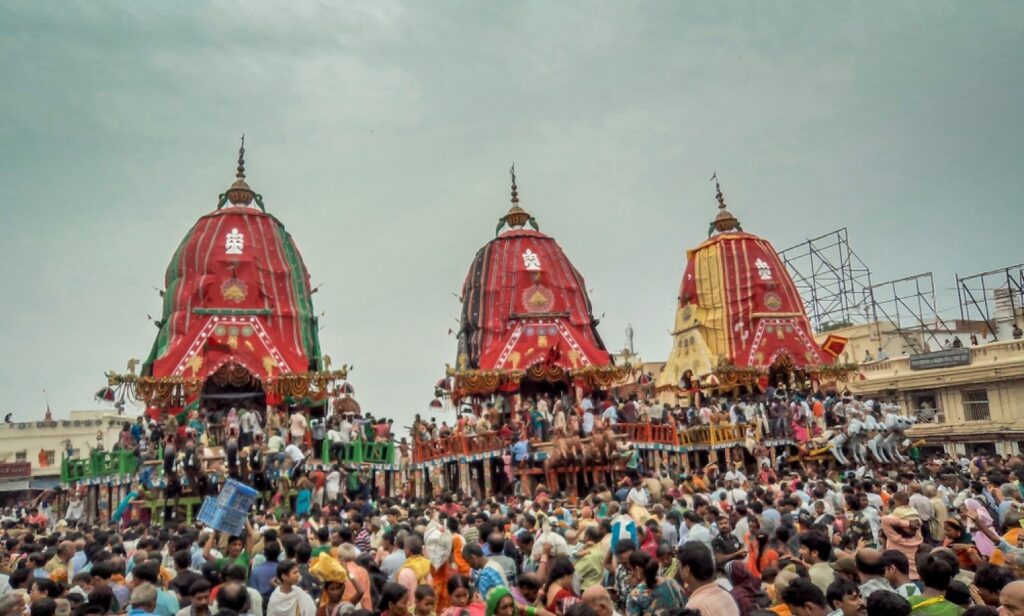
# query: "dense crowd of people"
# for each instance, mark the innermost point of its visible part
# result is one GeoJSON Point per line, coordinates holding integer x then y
{"type": "Point", "coordinates": [938, 537]}
{"type": "Point", "coordinates": [272, 449]}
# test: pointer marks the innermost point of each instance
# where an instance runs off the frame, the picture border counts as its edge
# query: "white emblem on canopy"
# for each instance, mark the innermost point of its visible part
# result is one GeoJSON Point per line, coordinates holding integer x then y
{"type": "Point", "coordinates": [763, 270]}
{"type": "Point", "coordinates": [234, 242]}
{"type": "Point", "coordinates": [531, 261]}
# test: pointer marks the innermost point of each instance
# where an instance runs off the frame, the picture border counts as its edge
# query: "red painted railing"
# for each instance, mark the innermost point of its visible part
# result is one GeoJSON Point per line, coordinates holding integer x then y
{"type": "Point", "coordinates": [459, 445]}
{"type": "Point", "coordinates": [649, 433]}
{"type": "Point", "coordinates": [664, 434]}
{"type": "Point", "coordinates": [635, 432]}
{"type": "Point", "coordinates": [426, 451]}
{"type": "Point", "coordinates": [481, 443]}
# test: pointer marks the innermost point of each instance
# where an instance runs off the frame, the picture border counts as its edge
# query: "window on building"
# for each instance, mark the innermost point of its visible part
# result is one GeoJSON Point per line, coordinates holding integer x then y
{"type": "Point", "coordinates": [21, 456]}
{"type": "Point", "coordinates": [51, 457]}
{"type": "Point", "coordinates": [981, 449]}
{"type": "Point", "coordinates": [926, 407]}
{"type": "Point", "coordinates": [976, 405]}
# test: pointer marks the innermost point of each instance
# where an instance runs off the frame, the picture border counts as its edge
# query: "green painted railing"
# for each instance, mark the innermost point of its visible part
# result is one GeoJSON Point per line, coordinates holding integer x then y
{"type": "Point", "coordinates": [98, 464]}
{"type": "Point", "coordinates": [124, 462]}
{"type": "Point", "coordinates": [360, 452]}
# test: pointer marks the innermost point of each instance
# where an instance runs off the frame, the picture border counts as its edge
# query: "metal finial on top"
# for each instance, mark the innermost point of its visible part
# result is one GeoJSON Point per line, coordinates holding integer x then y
{"type": "Point", "coordinates": [718, 192]}
{"type": "Point", "coordinates": [240, 174]}
{"type": "Point", "coordinates": [515, 193]}
{"type": "Point", "coordinates": [239, 193]}
{"type": "Point", "coordinates": [724, 221]}
{"type": "Point", "coordinates": [516, 217]}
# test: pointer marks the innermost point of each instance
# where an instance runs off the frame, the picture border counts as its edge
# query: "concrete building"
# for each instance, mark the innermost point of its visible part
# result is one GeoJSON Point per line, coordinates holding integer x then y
{"type": "Point", "coordinates": [974, 394]}
{"type": "Point", "coordinates": [641, 382]}
{"type": "Point", "coordinates": [871, 341]}
{"type": "Point", "coordinates": [30, 452]}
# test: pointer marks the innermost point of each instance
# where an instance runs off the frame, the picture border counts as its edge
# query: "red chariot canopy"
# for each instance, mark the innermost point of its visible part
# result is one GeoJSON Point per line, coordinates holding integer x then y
{"type": "Point", "coordinates": [525, 311]}
{"type": "Point", "coordinates": [237, 299]}
{"type": "Point", "coordinates": [752, 312]}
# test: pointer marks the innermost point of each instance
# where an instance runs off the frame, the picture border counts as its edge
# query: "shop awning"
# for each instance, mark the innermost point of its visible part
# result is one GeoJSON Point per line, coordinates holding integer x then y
{"type": "Point", "coordinates": [14, 486]}
{"type": "Point", "coordinates": [44, 483]}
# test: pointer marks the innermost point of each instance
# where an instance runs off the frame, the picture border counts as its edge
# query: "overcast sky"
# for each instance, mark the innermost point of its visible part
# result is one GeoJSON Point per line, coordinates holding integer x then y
{"type": "Point", "coordinates": [381, 133]}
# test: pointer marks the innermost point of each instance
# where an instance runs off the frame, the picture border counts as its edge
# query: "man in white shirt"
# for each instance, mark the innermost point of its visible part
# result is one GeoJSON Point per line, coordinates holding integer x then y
{"type": "Point", "coordinates": [656, 412]}
{"type": "Point", "coordinates": [345, 430]}
{"type": "Point", "coordinates": [871, 513]}
{"type": "Point", "coordinates": [695, 530]}
{"type": "Point", "coordinates": [542, 406]}
{"type": "Point", "coordinates": [392, 563]}
{"type": "Point", "coordinates": [734, 493]}
{"type": "Point", "coordinates": [610, 415]}
{"type": "Point", "coordinates": [669, 526]}
{"type": "Point", "coordinates": [332, 484]}
{"type": "Point", "coordinates": [587, 403]}
{"type": "Point", "coordinates": [337, 443]}
{"type": "Point", "coordinates": [297, 427]}
{"type": "Point", "coordinates": [249, 423]}
{"type": "Point", "coordinates": [558, 423]}
{"type": "Point", "coordinates": [874, 500]}
{"type": "Point", "coordinates": [297, 459]}
{"type": "Point", "coordinates": [735, 474]}
{"type": "Point", "coordinates": [588, 421]}
{"type": "Point", "coordinates": [683, 531]}
{"type": "Point", "coordinates": [638, 495]}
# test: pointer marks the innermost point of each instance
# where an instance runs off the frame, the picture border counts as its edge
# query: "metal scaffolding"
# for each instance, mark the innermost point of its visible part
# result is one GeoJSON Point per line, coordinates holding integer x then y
{"type": "Point", "coordinates": [980, 295]}
{"type": "Point", "coordinates": [909, 303]}
{"type": "Point", "coordinates": [833, 281]}
{"type": "Point", "coordinates": [837, 291]}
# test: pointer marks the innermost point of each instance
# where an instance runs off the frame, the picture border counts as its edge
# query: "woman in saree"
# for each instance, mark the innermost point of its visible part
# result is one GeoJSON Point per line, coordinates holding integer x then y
{"type": "Point", "coordinates": [462, 599]}
{"type": "Point", "coordinates": [651, 595]}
